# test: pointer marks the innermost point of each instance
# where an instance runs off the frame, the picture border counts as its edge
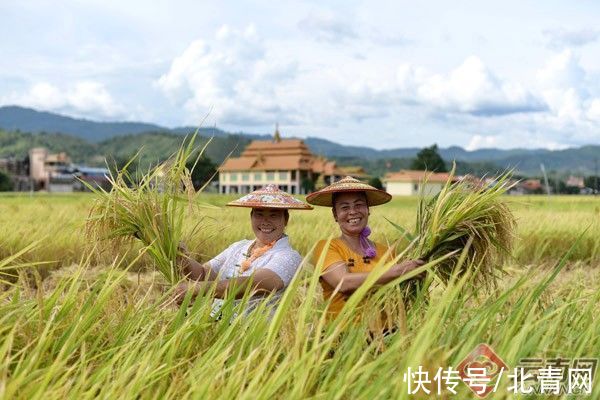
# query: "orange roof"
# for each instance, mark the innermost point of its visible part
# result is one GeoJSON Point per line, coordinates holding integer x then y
{"type": "Point", "coordinates": [263, 163]}
{"type": "Point", "coordinates": [355, 171]}
{"type": "Point", "coordinates": [331, 169]}
{"type": "Point", "coordinates": [285, 154]}
{"type": "Point", "coordinates": [318, 164]}
{"type": "Point", "coordinates": [417, 176]}
{"type": "Point", "coordinates": [280, 148]}
{"type": "Point", "coordinates": [532, 184]}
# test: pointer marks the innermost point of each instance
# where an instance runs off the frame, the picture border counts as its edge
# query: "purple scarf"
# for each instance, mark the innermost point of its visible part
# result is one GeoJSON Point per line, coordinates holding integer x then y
{"type": "Point", "coordinates": [367, 248]}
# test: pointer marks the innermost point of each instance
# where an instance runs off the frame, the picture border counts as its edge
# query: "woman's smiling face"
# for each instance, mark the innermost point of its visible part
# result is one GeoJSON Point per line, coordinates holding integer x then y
{"type": "Point", "coordinates": [351, 211]}
{"type": "Point", "coordinates": [268, 224]}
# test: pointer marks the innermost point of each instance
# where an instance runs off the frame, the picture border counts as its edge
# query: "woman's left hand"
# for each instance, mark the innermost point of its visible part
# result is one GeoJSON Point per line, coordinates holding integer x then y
{"type": "Point", "coordinates": [180, 292]}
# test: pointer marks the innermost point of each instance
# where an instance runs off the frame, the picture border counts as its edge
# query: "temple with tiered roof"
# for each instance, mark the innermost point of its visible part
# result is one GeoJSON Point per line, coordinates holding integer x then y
{"type": "Point", "coordinates": [288, 163]}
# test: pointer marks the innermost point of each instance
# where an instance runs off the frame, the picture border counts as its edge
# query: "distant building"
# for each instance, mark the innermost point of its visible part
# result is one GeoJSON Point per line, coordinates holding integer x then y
{"type": "Point", "coordinates": [575, 181]}
{"type": "Point", "coordinates": [288, 163]}
{"type": "Point", "coordinates": [532, 186]}
{"type": "Point", "coordinates": [18, 170]}
{"type": "Point", "coordinates": [527, 186]}
{"type": "Point", "coordinates": [50, 171]}
{"type": "Point", "coordinates": [41, 170]}
{"type": "Point", "coordinates": [95, 177]}
{"type": "Point", "coordinates": [411, 182]}
{"type": "Point", "coordinates": [357, 172]}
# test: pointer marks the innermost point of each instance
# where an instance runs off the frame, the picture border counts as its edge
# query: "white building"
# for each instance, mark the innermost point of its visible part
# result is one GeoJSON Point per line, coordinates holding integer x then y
{"type": "Point", "coordinates": [412, 183]}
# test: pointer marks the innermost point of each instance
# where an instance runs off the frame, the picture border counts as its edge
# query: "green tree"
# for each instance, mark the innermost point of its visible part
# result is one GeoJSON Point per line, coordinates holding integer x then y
{"type": "Point", "coordinates": [5, 182]}
{"type": "Point", "coordinates": [307, 184]}
{"type": "Point", "coordinates": [320, 183]}
{"type": "Point", "coordinates": [592, 182]}
{"type": "Point", "coordinates": [428, 159]}
{"type": "Point", "coordinates": [203, 171]}
{"type": "Point", "coordinates": [376, 183]}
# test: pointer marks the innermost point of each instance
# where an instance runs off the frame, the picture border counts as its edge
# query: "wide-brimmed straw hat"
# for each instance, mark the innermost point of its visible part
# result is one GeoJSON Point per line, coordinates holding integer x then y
{"type": "Point", "coordinates": [270, 196]}
{"type": "Point", "coordinates": [324, 197]}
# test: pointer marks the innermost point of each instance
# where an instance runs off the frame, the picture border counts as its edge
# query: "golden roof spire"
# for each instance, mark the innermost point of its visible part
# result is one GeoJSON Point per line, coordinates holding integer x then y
{"type": "Point", "coordinates": [277, 136]}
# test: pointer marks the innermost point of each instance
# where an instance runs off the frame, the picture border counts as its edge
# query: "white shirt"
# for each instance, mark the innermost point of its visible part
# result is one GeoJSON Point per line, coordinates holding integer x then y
{"type": "Point", "coordinates": [281, 259]}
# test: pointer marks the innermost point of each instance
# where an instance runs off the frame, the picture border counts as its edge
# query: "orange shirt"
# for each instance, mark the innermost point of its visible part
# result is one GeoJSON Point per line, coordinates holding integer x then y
{"type": "Point", "coordinates": [339, 251]}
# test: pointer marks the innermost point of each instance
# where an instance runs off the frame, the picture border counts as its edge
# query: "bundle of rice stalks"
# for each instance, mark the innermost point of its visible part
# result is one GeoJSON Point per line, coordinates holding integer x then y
{"type": "Point", "coordinates": [150, 208]}
{"type": "Point", "coordinates": [466, 219]}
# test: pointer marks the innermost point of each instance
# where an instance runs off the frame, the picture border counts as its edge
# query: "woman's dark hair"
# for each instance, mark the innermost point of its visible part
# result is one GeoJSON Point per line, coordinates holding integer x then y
{"type": "Point", "coordinates": [335, 195]}
{"type": "Point", "coordinates": [286, 214]}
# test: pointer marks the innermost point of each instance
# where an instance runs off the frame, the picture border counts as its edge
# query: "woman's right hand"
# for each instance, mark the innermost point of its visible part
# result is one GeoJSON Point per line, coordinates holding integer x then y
{"type": "Point", "coordinates": [183, 257]}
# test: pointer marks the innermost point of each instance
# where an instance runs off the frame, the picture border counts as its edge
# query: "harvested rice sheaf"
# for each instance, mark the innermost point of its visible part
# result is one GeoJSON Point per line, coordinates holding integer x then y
{"type": "Point", "coordinates": [467, 219]}
{"type": "Point", "coordinates": [150, 209]}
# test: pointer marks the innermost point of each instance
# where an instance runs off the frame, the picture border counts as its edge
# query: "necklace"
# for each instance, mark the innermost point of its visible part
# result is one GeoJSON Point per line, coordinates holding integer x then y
{"type": "Point", "coordinates": [254, 253]}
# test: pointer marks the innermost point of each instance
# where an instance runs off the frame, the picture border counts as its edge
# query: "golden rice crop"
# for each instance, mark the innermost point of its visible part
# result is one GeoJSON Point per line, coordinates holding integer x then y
{"type": "Point", "coordinates": [465, 220]}
{"type": "Point", "coordinates": [150, 209]}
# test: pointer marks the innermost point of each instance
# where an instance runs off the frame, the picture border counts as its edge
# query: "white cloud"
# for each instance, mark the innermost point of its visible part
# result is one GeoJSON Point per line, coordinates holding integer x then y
{"type": "Point", "coordinates": [572, 117]}
{"type": "Point", "coordinates": [562, 71]}
{"type": "Point", "coordinates": [379, 37]}
{"type": "Point", "coordinates": [84, 98]}
{"type": "Point", "coordinates": [45, 96]}
{"type": "Point", "coordinates": [482, 142]}
{"type": "Point", "coordinates": [470, 88]}
{"type": "Point", "coordinates": [563, 38]}
{"type": "Point", "coordinates": [593, 112]}
{"type": "Point", "coordinates": [355, 73]}
{"type": "Point", "coordinates": [327, 27]}
{"type": "Point", "coordinates": [92, 97]}
{"type": "Point", "coordinates": [247, 84]}
{"type": "Point", "coordinates": [233, 75]}
{"type": "Point", "coordinates": [567, 89]}
{"type": "Point", "coordinates": [512, 140]}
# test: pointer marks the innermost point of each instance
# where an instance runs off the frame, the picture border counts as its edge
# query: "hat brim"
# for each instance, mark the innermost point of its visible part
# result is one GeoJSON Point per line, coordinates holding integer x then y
{"type": "Point", "coordinates": [375, 197]}
{"type": "Point", "coordinates": [273, 206]}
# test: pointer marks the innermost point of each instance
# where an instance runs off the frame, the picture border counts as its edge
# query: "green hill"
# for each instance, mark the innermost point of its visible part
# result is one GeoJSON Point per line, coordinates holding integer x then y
{"type": "Point", "coordinates": [90, 142]}
{"type": "Point", "coordinates": [156, 146]}
{"type": "Point", "coordinates": [17, 144]}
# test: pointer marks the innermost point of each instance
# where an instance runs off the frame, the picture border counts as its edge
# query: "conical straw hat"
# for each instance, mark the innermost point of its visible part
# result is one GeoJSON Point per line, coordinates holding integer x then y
{"type": "Point", "coordinates": [324, 197]}
{"type": "Point", "coordinates": [269, 196]}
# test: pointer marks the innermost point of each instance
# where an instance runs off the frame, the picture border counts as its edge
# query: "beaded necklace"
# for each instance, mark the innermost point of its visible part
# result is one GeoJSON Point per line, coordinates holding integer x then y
{"type": "Point", "coordinates": [254, 254]}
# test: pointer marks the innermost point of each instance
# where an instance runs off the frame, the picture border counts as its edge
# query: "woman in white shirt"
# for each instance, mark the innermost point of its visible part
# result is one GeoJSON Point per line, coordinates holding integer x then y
{"type": "Point", "coordinates": [267, 262]}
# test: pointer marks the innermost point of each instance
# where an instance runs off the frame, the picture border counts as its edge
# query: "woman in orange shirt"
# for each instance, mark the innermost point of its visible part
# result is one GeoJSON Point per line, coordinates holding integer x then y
{"type": "Point", "coordinates": [352, 256]}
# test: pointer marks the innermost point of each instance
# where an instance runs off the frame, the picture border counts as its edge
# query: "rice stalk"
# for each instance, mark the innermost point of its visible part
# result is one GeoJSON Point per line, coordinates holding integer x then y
{"type": "Point", "coordinates": [96, 333]}
{"type": "Point", "coordinates": [464, 216]}
{"type": "Point", "coordinates": [150, 209]}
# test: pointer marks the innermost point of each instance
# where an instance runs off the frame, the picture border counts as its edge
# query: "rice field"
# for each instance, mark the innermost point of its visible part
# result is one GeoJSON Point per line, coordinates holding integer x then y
{"type": "Point", "coordinates": [83, 320]}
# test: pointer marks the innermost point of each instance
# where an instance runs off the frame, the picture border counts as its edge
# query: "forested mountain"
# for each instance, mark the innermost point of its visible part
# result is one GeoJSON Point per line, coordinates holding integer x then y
{"type": "Point", "coordinates": [90, 142]}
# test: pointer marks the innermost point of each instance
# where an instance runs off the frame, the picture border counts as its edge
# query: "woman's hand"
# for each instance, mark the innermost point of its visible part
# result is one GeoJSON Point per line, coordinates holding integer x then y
{"type": "Point", "coordinates": [183, 258]}
{"type": "Point", "coordinates": [406, 266]}
{"type": "Point", "coordinates": [181, 290]}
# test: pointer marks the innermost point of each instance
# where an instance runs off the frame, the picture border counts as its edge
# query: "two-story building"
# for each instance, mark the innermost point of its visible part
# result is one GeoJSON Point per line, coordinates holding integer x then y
{"type": "Point", "coordinates": [288, 163]}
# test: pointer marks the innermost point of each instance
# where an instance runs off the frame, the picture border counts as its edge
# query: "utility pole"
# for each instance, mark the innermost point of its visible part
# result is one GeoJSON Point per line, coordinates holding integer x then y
{"type": "Point", "coordinates": [545, 179]}
{"type": "Point", "coordinates": [596, 176]}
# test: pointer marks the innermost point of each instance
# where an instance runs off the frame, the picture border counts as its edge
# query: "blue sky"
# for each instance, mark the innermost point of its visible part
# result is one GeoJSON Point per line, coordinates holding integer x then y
{"type": "Point", "coordinates": [382, 74]}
